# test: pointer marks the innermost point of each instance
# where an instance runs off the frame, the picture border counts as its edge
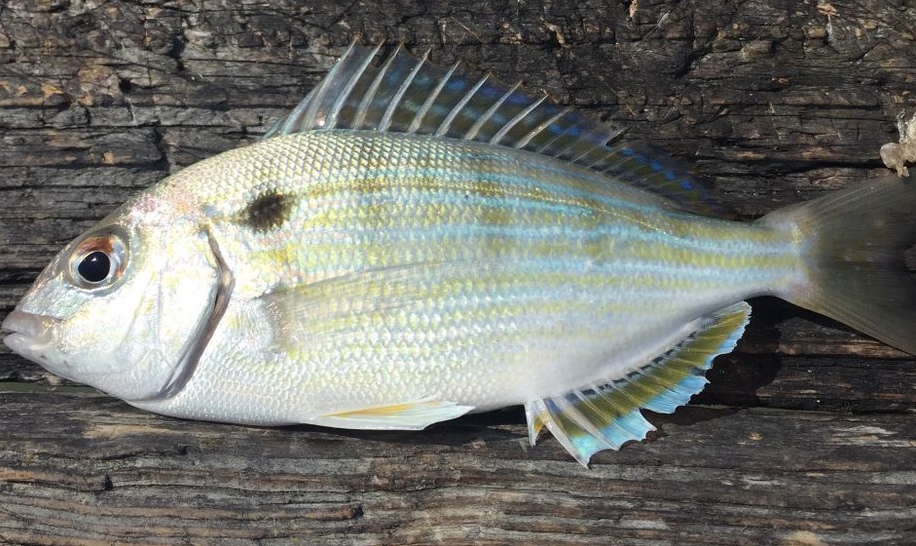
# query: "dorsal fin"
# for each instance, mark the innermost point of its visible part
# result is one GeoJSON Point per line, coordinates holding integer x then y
{"type": "Point", "coordinates": [402, 93]}
{"type": "Point", "coordinates": [607, 415]}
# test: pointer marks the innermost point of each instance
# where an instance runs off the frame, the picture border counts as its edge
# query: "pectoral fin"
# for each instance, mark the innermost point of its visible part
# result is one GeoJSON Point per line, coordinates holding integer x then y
{"type": "Point", "coordinates": [605, 415]}
{"type": "Point", "coordinates": [415, 415]}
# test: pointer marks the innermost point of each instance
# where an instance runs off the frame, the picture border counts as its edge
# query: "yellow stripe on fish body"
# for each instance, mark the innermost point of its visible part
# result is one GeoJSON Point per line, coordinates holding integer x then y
{"type": "Point", "coordinates": [347, 218]}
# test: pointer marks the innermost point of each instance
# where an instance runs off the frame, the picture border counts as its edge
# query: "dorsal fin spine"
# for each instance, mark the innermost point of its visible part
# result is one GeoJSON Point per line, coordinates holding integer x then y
{"type": "Point", "coordinates": [331, 121]}
{"type": "Point", "coordinates": [443, 128]}
{"type": "Point", "coordinates": [396, 100]}
{"type": "Point", "coordinates": [403, 93]}
{"type": "Point", "coordinates": [618, 159]}
{"type": "Point", "coordinates": [309, 119]}
{"type": "Point", "coordinates": [514, 121]}
{"type": "Point", "coordinates": [587, 151]}
{"type": "Point", "coordinates": [360, 116]}
{"type": "Point", "coordinates": [617, 166]}
{"type": "Point", "coordinates": [557, 137]}
{"type": "Point", "coordinates": [290, 121]}
{"type": "Point", "coordinates": [472, 132]}
{"type": "Point", "coordinates": [531, 134]}
{"type": "Point", "coordinates": [600, 158]}
{"type": "Point", "coordinates": [431, 99]}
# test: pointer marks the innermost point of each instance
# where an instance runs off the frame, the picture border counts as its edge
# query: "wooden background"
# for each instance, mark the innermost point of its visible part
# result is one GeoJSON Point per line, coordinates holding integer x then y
{"type": "Point", "coordinates": [806, 436]}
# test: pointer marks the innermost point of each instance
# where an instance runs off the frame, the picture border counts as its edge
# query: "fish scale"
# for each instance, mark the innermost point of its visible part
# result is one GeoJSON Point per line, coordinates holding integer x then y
{"type": "Point", "coordinates": [412, 243]}
{"type": "Point", "coordinates": [559, 269]}
{"type": "Point", "coordinates": [390, 227]}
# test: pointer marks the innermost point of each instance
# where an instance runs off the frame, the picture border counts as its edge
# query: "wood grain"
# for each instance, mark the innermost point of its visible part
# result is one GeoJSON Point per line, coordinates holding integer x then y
{"type": "Point", "coordinates": [805, 437]}
{"type": "Point", "coordinates": [90, 470]}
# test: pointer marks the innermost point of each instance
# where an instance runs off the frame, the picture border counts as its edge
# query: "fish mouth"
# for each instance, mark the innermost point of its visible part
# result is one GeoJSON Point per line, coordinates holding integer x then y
{"type": "Point", "coordinates": [30, 334]}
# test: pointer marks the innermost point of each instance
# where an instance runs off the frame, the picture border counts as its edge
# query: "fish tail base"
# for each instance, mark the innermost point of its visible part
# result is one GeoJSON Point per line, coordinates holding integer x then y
{"type": "Point", "coordinates": [855, 244]}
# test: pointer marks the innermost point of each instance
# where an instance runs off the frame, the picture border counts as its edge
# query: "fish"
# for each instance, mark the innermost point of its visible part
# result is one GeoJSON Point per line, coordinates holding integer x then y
{"type": "Point", "coordinates": [413, 243]}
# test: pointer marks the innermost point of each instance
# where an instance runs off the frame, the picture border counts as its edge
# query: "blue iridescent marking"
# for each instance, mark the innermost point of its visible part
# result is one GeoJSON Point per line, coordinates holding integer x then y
{"type": "Point", "coordinates": [519, 98]}
{"type": "Point", "coordinates": [439, 110]}
{"type": "Point", "coordinates": [490, 91]}
{"type": "Point", "coordinates": [557, 189]}
{"type": "Point", "coordinates": [424, 80]}
{"type": "Point", "coordinates": [456, 83]}
{"type": "Point", "coordinates": [556, 128]}
{"type": "Point", "coordinates": [510, 180]}
{"type": "Point", "coordinates": [608, 231]}
{"type": "Point", "coordinates": [395, 75]}
{"type": "Point", "coordinates": [499, 119]}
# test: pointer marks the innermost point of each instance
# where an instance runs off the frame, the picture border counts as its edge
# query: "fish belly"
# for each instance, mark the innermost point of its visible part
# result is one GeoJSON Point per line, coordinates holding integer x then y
{"type": "Point", "coordinates": [421, 268]}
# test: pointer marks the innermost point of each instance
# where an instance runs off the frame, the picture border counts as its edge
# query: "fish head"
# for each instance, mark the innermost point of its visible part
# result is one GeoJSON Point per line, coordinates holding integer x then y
{"type": "Point", "coordinates": [124, 306]}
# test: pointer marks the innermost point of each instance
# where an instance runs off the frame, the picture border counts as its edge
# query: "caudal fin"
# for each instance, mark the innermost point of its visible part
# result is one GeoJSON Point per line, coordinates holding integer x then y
{"type": "Point", "coordinates": [854, 243]}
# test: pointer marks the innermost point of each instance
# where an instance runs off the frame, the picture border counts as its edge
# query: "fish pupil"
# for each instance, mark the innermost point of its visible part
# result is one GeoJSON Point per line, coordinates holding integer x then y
{"type": "Point", "coordinates": [95, 267]}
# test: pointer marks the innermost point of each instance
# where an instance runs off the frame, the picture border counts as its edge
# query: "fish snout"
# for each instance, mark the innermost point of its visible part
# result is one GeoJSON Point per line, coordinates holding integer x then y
{"type": "Point", "coordinates": [30, 334]}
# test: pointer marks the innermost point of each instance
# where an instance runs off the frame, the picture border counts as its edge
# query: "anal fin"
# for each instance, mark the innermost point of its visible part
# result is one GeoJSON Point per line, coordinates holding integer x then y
{"type": "Point", "coordinates": [605, 415]}
{"type": "Point", "coordinates": [415, 415]}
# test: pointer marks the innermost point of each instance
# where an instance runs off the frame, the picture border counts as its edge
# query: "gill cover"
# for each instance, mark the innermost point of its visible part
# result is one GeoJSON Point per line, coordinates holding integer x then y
{"type": "Point", "coordinates": [197, 343]}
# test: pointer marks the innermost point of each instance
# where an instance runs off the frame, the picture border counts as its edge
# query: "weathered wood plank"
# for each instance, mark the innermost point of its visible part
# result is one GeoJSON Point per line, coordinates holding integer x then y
{"type": "Point", "coordinates": [79, 470]}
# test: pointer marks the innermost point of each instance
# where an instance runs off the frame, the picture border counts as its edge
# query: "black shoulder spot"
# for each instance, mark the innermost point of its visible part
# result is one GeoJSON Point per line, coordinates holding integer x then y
{"type": "Point", "coordinates": [268, 211]}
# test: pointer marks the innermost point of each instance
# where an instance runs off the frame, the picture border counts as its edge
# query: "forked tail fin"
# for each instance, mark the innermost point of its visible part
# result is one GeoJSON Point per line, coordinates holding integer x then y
{"type": "Point", "coordinates": [854, 242]}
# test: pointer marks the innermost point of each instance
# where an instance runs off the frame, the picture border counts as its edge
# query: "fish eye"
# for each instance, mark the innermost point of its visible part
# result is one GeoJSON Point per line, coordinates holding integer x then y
{"type": "Point", "coordinates": [95, 267]}
{"type": "Point", "coordinates": [98, 261]}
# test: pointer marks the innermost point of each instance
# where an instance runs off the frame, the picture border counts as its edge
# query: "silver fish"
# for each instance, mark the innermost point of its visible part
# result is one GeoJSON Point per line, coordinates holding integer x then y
{"type": "Point", "coordinates": [411, 244]}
